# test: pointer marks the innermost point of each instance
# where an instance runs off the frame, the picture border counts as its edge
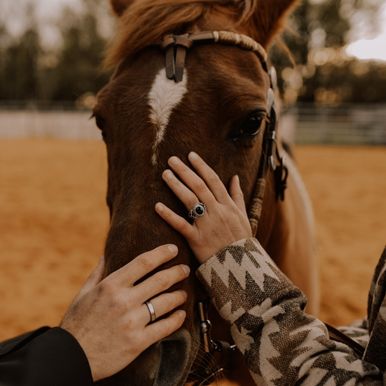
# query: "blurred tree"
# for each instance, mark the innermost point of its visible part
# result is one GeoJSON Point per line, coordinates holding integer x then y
{"type": "Point", "coordinates": [20, 67]}
{"type": "Point", "coordinates": [349, 80]}
{"type": "Point", "coordinates": [20, 63]}
{"type": "Point", "coordinates": [321, 73]}
{"type": "Point", "coordinates": [78, 69]}
{"type": "Point", "coordinates": [323, 28]}
{"type": "Point", "coordinates": [64, 73]}
{"type": "Point", "coordinates": [3, 38]}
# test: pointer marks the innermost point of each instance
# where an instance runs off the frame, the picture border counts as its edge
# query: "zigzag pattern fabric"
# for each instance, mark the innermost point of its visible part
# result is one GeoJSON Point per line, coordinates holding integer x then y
{"type": "Point", "coordinates": [281, 344]}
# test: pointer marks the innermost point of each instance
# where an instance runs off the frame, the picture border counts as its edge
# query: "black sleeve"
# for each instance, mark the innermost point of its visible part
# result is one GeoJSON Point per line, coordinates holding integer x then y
{"type": "Point", "coordinates": [45, 357]}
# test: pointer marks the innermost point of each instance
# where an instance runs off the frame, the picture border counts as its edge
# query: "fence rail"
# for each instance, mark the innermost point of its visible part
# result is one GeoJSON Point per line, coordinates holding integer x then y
{"type": "Point", "coordinates": [307, 124]}
{"type": "Point", "coordinates": [47, 124]}
{"type": "Point", "coordinates": [350, 124]}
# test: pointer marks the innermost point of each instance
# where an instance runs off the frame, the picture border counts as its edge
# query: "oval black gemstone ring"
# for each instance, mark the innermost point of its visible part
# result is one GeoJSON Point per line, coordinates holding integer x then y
{"type": "Point", "coordinates": [197, 211]}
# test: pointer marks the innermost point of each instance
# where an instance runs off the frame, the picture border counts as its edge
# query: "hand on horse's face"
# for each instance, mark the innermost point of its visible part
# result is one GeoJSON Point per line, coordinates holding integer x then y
{"type": "Point", "coordinates": [225, 220]}
{"type": "Point", "coordinates": [110, 319]}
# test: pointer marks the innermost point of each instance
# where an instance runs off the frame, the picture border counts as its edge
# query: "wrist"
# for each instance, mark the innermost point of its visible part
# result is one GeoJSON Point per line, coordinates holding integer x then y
{"type": "Point", "coordinates": [207, 253]}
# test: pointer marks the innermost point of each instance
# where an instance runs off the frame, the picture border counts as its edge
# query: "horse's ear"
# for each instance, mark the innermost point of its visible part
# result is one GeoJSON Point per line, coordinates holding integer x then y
{"type": "Point", "coordinates": [119, 6]}
{"type": "Point", "coordinates": [269, 17]}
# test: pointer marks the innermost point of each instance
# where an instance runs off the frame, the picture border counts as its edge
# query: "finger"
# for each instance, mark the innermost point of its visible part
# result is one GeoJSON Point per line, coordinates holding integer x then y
{"type": "Point", "coordinates": [94, 278]}
{"type": "Point", "coordinates": [165, 327]}
{"type": "Point", "coordinates": [160, 282]}
{"type": "Point", "coordinates": [210, 177]}
{"type": "Point", "coordinates": [163, 304]}
{"type": "Point", "coordinates": [175, 221]}
{"type": "Point", "coordinates": [184, 194]}
{"type": "Point", "coordinates": [237, 194]}
{"type": "Point", "coordinates": [143, 265]}
{"type": "Point", "coordinates": [192, 181]}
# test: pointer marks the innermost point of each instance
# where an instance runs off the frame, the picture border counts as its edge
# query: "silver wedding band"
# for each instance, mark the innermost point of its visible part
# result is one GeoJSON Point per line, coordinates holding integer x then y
{"type": "Point", "coordinates": [151, 310]}
{"type": "Point", "coordinates": [197, 211]}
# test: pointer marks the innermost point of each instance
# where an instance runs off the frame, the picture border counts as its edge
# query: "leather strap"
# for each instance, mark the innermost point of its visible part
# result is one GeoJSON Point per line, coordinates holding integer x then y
{"type": "Point", "coordinates": [176, 48]}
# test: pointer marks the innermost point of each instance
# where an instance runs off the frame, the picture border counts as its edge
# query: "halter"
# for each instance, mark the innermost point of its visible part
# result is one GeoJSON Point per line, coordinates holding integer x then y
{"type": "Point", "coordinates": [176, 48]}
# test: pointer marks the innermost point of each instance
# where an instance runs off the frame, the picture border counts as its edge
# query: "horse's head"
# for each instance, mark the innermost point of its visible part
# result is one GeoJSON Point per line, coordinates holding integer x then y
{"type": "Point", "coordinates": [218, 108]}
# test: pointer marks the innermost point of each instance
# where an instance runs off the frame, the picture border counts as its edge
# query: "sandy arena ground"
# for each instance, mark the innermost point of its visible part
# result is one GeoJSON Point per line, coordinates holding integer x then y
{"type": "Point", "coordinates": [53, 221]}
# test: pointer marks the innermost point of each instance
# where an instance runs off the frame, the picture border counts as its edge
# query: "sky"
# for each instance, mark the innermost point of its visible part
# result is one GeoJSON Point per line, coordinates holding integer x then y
{"type": "Point", "coordinates": [374, 48]}
{"type": "Point", "coordinates": [364, 48]}
{"type": "Point", "coordinates": [46, 10]}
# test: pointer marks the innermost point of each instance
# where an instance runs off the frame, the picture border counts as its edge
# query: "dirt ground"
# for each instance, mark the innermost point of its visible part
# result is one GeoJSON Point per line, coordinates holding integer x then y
{"type": "Point", "coordinates": [53, 222]}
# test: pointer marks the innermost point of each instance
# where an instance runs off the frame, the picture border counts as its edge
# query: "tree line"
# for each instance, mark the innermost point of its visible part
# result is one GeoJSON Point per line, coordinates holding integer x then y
{"type": "Point", "coordinates": [316, 70]}
{"type": "Point", "coordinates": [31, 72]}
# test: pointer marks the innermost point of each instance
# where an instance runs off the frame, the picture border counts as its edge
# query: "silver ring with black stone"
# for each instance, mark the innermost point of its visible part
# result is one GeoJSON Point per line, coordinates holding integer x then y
{"type": "Point", "coordinates": [197, 211]}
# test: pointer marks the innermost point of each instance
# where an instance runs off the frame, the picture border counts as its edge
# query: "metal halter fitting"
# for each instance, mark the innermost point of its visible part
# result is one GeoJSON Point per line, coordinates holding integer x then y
{"type": "Point", "coordinates": [176, 47]}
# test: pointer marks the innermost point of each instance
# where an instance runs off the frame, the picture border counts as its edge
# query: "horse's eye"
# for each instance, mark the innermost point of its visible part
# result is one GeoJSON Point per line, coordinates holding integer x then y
{"type": "Point", "coordinates": [250, 127]}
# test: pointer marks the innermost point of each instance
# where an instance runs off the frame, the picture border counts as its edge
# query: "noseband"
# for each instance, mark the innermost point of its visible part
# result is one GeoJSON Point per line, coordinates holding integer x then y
{"type": "Point", "coordinates": [176, 48]}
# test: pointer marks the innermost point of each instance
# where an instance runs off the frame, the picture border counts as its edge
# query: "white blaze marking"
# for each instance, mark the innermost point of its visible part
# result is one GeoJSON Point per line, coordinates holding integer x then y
{"type": "Point", "coordinates": [164, 96]}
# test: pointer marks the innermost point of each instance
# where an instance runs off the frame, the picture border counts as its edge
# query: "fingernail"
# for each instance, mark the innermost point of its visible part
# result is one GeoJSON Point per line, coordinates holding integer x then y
{"type": "Point", "coordinates": [159, 206]}
{"type": "Point", "coordinates": [193, 155]}
{"type": "Point", "coordinates": [167, 173]}
{"type": "Point", "coordinates": [173, 160]}
{"type": "Point", "coordinates": [181, 314]}
{"type": "Point", "coordinates": [237, 179]}
{"type": "Point", "coordinates": [173, 249]}
{"type": "Point", "coordinates": [186, 269]}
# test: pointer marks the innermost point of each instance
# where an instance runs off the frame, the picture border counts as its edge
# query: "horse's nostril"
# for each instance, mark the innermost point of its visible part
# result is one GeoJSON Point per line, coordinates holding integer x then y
{"type": "Point", "coordinates": [175, 353]}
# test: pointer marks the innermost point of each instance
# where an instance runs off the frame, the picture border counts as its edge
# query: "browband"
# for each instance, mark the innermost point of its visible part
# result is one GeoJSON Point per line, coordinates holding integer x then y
{"type": "Point", "coordinates": [176, 47]}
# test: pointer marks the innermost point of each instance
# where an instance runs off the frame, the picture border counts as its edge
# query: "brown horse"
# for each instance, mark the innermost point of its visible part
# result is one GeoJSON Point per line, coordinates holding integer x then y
{"type": "Point", "coordinates": [216, 105]}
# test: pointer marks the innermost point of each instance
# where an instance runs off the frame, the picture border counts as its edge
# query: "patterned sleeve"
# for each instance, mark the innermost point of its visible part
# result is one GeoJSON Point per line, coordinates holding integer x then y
{"type": "Point", "coordinates": [281, 344]}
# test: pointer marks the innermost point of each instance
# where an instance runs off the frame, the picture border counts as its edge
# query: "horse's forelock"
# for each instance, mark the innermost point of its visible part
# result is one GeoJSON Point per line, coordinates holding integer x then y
{"type": "Point", "coordinates": [144, 22]}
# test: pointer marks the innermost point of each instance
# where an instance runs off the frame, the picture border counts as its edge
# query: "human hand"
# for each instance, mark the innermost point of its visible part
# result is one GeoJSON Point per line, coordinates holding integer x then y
{"type": "Point", "coordinates": [109, 318]}
{"type": "Point", "coordinates": [225, 220]}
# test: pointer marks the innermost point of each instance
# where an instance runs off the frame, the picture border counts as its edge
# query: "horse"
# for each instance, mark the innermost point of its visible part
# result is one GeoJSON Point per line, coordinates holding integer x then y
{"type": "Point", "coordinates": [192, 75]}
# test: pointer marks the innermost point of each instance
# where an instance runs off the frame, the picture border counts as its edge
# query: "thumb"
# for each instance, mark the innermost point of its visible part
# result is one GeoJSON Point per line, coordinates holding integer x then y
{"type": "Point", "coordinates": [94, 278]}
{"type": "Point", "coordinates": [237, 193]}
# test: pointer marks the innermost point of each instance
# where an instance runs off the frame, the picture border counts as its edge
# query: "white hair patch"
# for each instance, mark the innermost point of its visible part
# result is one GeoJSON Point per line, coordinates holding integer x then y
{"type": "Point", "coordinates": [164, 97]}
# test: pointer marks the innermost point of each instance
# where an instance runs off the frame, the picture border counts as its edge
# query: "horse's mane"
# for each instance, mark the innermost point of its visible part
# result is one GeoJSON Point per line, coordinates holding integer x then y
{"type": "Point", "coordinates": [144, 22]}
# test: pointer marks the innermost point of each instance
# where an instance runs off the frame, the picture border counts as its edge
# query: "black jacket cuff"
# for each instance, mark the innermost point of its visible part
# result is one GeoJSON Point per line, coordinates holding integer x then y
{"type": "Point", "coordinates": [50, 357]}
